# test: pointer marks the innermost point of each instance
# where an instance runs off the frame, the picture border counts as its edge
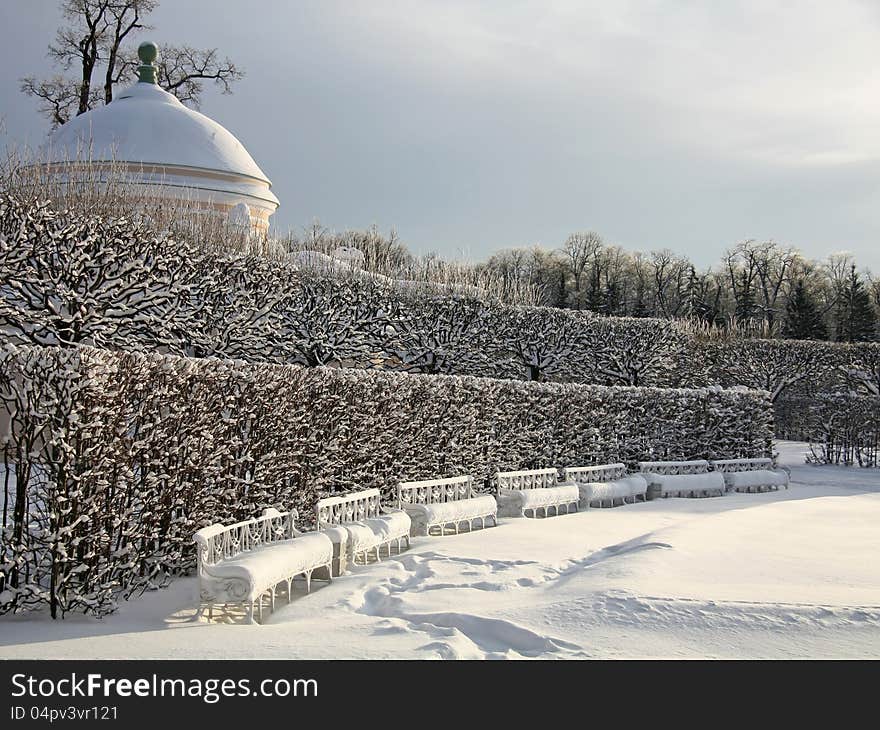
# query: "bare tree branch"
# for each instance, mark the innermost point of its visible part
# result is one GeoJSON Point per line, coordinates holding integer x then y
{"type": "Point", "coordinates": [183, 71]}
{"type": "Point", "coordinates": [60, 97]}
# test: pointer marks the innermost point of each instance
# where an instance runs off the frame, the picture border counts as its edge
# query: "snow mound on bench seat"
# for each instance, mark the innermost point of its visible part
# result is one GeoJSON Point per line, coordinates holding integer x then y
{"type": "Point", "coordinates": [270, 564]}
{"type": "Point", "coordinates": [455, 511]}
{"type": "Point", "coordinates": [367, 534]}
{"type": "Point", "coordinates": [756, 478]}
{"type": "Point", "coordinates": [390, 525]}
{"type": "Point", "coordinates": [629, 486]}
{"type": "Point", "coordinates": [543, 496]}
{"type": "Point", "coordinates": [711, 480]}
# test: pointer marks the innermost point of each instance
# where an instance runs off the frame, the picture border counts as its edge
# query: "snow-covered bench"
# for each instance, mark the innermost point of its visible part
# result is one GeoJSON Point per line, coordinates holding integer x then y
{"type": "Point", "coordinates": [438, 503]}
{"type": "Point", "coordinates": [747, 475]}
{"type": "Point", "coordinates": [242, 563]}
{"type": "Point", "coordinates": [532, 490]}
{"type": "Point", "coordinates": [357, 524]}
{"type": "Point", "coordinates": [681, 479]}
{"type": "Point", "coordinates": [606, 483]}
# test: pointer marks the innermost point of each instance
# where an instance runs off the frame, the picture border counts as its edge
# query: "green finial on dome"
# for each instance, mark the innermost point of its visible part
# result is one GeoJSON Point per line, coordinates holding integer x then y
{"type": "Point", "coordinates": [148, 52]}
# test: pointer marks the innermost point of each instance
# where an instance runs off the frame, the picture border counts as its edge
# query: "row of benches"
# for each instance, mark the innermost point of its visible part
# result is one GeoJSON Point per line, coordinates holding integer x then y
{"type": "Point", "coordinates": [250, 562]}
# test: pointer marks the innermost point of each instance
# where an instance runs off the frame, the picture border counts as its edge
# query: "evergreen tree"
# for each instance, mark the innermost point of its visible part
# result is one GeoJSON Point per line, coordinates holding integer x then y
{"type": "Point", "coordinates": [803, 318]}
{"type": "Point", "coordinates": [858, 318]}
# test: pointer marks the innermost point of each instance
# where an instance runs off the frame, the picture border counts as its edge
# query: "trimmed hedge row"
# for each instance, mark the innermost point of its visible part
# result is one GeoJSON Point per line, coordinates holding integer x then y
{"type": "Point", "coordinates": [113, 460]}
{"type": "Point", "coordinates": [68, 279]}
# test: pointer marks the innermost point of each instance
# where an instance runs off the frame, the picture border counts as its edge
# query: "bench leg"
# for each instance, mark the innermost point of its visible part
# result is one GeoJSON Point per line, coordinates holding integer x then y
{"type": "Point", "coordinates": [308, 575]}
{"type": "Point", "coordinates": [250, 613]}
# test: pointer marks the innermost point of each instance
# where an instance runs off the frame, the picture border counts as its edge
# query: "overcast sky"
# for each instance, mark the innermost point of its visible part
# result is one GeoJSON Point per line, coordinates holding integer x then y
{"type": "Point", "coordinates": [474, 126]}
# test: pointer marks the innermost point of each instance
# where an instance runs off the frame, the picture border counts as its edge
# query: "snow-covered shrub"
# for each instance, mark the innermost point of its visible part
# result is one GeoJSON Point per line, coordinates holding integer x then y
{"type": "Point", "coordinates": [776, 366]}
{"type": "Point", "coordinates": [842, 428]}
{"type": "Point", "coordinates": [861, 367]}
{"type": "Point", "coordinates": [444, 334]}
{"type": "Point", "coordinates": [542, 344]}
{"type": "Point", "coordinates": [119, 457]}
{"type": "Point", "coordinates": [631, 351]}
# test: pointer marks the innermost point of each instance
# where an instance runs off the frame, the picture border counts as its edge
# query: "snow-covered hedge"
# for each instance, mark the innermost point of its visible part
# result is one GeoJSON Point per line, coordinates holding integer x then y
{"type": "Point", "coordinates": [113, 460]}
{"type": "Point", "coordinates": [71, 279]}
{"type": "Point", "coordinates": [776, 366]}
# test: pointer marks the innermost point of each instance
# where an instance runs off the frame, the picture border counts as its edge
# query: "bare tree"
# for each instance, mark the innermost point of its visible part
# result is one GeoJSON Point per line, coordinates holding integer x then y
{"type": "Point", "coordinates": [80, 41]}
{"type": "Point", "coordinates": [94, 37]}
{"type": "Point", "coordinates": [580, 249]}
{"type": "Point", "coordinates": [670, 279]}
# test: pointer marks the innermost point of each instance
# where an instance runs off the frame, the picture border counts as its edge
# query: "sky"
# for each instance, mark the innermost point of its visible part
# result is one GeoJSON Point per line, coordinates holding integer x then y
{"type": "Point", "coordinates": [472, 126]}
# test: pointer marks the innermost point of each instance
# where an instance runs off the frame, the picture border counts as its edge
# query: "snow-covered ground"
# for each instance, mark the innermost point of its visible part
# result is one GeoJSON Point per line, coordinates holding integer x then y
{"type": "Point", "coordinates": [783, 574]}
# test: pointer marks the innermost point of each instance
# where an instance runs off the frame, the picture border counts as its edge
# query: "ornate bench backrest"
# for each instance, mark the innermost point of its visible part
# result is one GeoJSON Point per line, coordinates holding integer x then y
{"type": "Point", "coordinates": [729, 466]}
{"type": "Point", "coordinates": [217, 542]}
{"type": "Point", "coordinates": [599, 473]}
{"type": "Point", "coordinates": [432, 491]}
{"type": "Point", "coordinates": [528, 479]}
{"type": "Point", "coordinates": [698, 466]}
{"type": "Point", "coordinates": [352, 507]}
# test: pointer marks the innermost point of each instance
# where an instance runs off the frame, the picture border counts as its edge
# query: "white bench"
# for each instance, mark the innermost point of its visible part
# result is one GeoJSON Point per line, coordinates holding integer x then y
{"type": "Point", "coordinates": [245, 562]}
{"type": "Point", "coordinates": [357, 524]}
{"type": "Point", "coordinates": [607, 483]}
{"type": "Point", "coordinates": [532, 490]}
{"type": "Point", "coordinates": [747, 475]}
{"type": "Point", "coordinates": [681, 479]}
{"type": "Point", "coordinates": [438, 503]}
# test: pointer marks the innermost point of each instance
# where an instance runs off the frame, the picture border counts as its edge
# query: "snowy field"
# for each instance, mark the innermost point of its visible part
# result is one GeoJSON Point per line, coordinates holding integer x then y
{"type": "Point", "coordinates": [784, 574]}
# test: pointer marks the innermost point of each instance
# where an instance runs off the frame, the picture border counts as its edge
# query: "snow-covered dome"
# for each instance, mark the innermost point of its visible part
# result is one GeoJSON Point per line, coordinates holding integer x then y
{"type": "Point", "coordinates": [153, 137]}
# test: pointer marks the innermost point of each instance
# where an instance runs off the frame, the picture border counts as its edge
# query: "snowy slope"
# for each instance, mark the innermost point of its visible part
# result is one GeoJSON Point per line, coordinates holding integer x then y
{"type": "Point", "coordinates": [787, 574]}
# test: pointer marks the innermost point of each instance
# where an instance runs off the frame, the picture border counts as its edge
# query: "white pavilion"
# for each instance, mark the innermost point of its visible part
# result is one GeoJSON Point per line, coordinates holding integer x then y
{"type": "Point", "coordinates": [151, 138]}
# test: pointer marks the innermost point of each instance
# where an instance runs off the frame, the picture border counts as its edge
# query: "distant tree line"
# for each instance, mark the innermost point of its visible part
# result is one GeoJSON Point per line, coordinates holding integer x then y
{"type": "Point", "coordinates": [759, 289]}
